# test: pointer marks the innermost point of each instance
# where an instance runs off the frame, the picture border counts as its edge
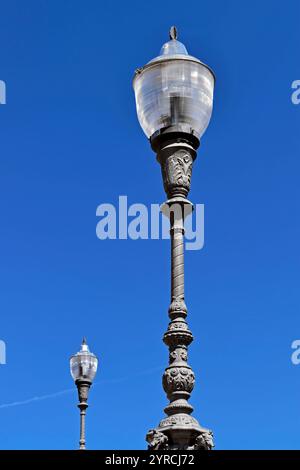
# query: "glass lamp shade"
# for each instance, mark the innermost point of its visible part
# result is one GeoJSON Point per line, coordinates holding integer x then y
{"type": "Point", "coordinates": [174, 89]}
{"type": "Point", "coordinates": [84, 364]}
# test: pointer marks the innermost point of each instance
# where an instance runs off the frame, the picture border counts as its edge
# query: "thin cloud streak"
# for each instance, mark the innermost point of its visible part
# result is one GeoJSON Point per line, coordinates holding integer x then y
{"type": "Point", "coordinates": [70, 390]}
{"type": "Point", "coordinates": [34, 399]}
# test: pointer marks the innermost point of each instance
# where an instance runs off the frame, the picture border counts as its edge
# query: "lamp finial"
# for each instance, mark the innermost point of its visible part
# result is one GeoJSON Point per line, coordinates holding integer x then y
{"type": "Point", "coordinates": [173, 33]}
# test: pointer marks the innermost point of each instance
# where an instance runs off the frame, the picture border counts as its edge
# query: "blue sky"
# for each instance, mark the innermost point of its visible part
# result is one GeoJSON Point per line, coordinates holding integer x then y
{"type": "Point", "coordinates": [70, 140]}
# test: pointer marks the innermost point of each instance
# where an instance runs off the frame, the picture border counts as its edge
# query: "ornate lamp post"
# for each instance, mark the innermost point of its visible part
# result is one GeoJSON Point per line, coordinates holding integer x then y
{"type": "Point", "coordinates": [83, 367]}
{"type": "Point", "coordinates": [174, 99]}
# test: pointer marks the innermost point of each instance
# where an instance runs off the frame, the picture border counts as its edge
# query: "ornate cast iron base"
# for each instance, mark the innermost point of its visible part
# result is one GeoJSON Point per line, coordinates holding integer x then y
{"type": "Point", "coordinates": [162, 440]}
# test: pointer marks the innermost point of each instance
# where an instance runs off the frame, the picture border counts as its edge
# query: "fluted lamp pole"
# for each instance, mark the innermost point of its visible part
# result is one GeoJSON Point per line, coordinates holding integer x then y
{"type": "Point", "coordinates": [83, 367]}
{"type": "Point", "coordinates": [174, 100]}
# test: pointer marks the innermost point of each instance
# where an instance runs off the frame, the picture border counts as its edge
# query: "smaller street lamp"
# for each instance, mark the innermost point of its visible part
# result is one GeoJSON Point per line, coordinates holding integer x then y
{"type": "Point", "coordinates": [83, 367]}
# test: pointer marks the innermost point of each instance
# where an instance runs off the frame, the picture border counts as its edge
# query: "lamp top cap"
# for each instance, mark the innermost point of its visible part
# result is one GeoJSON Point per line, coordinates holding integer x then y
{"type": "Point", "coordinates": [84, 349]}
{"type": "Point", "coordinates": [84, 346]}
{"type": "Point", "coordinates": [170, 51]}
{"type": "Point", "coordinates": [173, 47]}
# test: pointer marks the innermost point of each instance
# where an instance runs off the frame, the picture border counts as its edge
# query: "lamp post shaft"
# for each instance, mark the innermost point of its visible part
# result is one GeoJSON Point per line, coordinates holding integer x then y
{"type": "Point", "coordinates": [83, 391]}
{"type": "Point", "coordinates": [177, 258]}
{"type": "Point", "coordinates": [179, 430]}
{"type": "Point", "coordinates": [82, 427]}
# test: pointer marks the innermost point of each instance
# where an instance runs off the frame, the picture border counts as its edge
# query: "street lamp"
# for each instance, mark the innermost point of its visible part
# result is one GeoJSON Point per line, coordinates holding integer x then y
{"type": "Point", "coordinates": [83, 367]}
{"type": "Point", "coordinates": [174, 100]}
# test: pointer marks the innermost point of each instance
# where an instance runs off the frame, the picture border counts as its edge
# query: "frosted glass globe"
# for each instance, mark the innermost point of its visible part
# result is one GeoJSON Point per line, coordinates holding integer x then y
{"type": "Point", "coordinates": [84, 364]}
{"type": "Point", "coordinates": [174, 89]}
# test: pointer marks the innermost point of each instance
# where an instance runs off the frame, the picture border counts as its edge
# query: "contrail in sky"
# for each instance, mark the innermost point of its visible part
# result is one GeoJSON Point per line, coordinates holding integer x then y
{"type": "Point", "coordinates": [70, 390]}
{"type": "Point", "coordinates": [33, 399]}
